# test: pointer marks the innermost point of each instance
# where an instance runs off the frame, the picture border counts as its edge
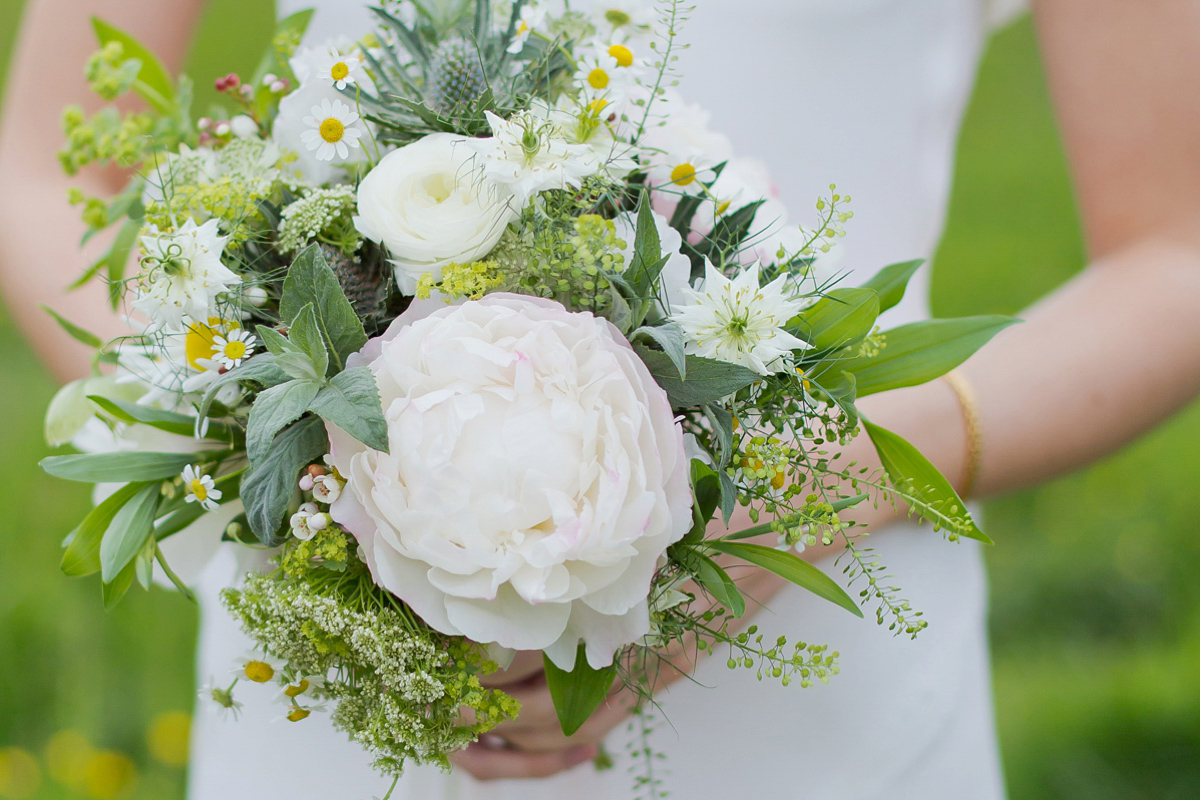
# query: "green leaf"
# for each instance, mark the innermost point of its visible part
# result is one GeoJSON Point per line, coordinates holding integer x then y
{"type": "Point", "coordinates": [143, 562]}
{"type": "Point", "coordinates": [891, 281]}
{"type": "Point", "coordinates": [114, 590]}
{"type": "Point", "coordinates": [791, 567]}
{"type": "Point", "coordinates": [647, 261]}
{"type": "Point", "coordinates": [169, 421]}
{"type": "Point", "coordinates": [670, 338]}
{"type": "Point", "coordinates": [918, 353]}
{"type": "Point", "coordinates": [707, 380]}
{"type": "Point", "coordinates": [119, 467]}
{"type": "Point", "coordinates": [716, 580]}
{"type": "Point", "coordinates": [351, 401]}
{"type": "Point", "coordinates": [118, 257]}
{"type": "Point", "coordinates": [310, 280]}
{"type": "Point", "coordinates": [273, 410]}
{"type": "Point", "coordinates": [128, 531]}
{"type": "Point", "coordinates": [268, 486]}
{"type": "Point", "coordinates": [722, 425]}
{"type": "Point", "coordinates": [936, 500]}
{"type": "Point", "coordinates": [842, 317]}
{"type": "Point", "coordinates": [578, 693]}
{"type": "Point", "coordinates": [154, 84]}
{"type": "Point", "coordinates": [77, 333]}
{"type": "Point", "coordinates": [261, 369]}
{"type": "Point", "coordinates": [82, 556]}
{"type": "Point", "coordinates": [305, 334]}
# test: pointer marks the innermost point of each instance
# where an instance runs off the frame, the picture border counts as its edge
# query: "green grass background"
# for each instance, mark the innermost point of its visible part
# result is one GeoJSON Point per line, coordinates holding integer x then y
{"type": "Point", "coordinates": [1096, 609]}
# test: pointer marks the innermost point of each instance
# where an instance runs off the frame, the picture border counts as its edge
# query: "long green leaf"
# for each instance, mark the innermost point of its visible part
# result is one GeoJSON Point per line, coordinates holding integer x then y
{"type": "Point", "coordinates": [82, 556]}
{"type": "Point", "coordinates": [114, 590]}
{"type": "Point", "coordinates": [842, 317]}
{"type": "Point", "coordinates": [578, 693]}
{"type": "Point", "coordinates": [118, 257]}
{"type": "Point", "coordinates": [168, 421]}
{"type": "Point", "coordinates": [77, 333]}
{"type": "Point", "coordinates": [118, 467]}
{"type": "Point", "coordinates": [791, 567]}
{"type": "Point", "coordinates": [718, 583]}
{"type": "Point", "coordinates": [891, 281]}
{"type": "Point", "coordinates": [918, 353]}
{"type": "Point", "coordinates": [127, 532]}
{"type": "Point", "coordinates": [155, 84]}
{"type": "Point", "coordinates": [910, 471]}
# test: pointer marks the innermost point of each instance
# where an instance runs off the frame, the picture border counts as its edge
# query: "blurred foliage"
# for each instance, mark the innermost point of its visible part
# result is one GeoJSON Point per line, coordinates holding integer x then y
{"type": "Point", "coordinates": [1096, 615]}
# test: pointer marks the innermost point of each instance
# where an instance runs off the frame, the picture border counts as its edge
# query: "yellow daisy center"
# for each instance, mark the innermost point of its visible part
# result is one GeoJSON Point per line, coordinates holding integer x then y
{"type": "Point", "coordinates": [339, 71]}
{"type": "Point", "coordinates": [332, 130]}
{"type": "Point", "coordinates": [622, 54]}
{"type": "Point", "coordinates": [199, 489]}
{"type": "Point", "coordinates": [522, 27]}
{"type": "Point", "coordinates": [683, 174]}
{"type": "Point", "coordinates": [259, 671]}
{"type": "Point", "coordinates": [297, 689]}
{"type": "Point", "coordinates": [235, 349]}
{"type": "Point", "coordinates": [297, 714]}
{"type": "Point", "coordinates": [597, 105]}
{"type": "Point", "coordinates": [598, 78]}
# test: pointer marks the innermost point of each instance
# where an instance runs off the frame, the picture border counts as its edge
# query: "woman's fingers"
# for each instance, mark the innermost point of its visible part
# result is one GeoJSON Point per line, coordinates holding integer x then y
{"type": "Point", "coordinates": [492, 763]}
{"type": "Point", "coordinates": [526, 664]}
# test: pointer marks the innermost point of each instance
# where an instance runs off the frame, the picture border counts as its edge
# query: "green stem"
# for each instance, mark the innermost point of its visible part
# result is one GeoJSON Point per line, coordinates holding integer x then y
{"type": "Point", "coordinates": [179, 584]}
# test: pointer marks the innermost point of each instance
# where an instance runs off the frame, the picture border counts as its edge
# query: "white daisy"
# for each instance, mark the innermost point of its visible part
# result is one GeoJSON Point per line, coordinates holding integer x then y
{"type": "Point", "coordinates": [200, 488]}
{"type": "Point", "coordinates": [739, 322]}
{"type": "Point", "coordinates": [532, 17]}
{"type": "Point", "coordinates": [333, 129]}
{"type": "Point", "coordinates": [258, 667]}
{"type": "Point", "coordinates": [233, 348]}
{"type": "Point", "coordinates": [337, 69]}
{"type": "Point", "coordinates": [610, 72]}
{"type": "Point", "coordinates": [182, 274]}
{"type": "Point", "coordinates": [301, 688]}
{"type": "Point", "coordinates": [528, 155]}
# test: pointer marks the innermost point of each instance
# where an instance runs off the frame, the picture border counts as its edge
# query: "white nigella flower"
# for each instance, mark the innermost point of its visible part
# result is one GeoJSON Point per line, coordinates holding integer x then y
{"type": "Point", "coordinates": [532, 17]}
{"type": "Point", "coordinates": [200, 488]}
{"type": "Point", "coordinates": [589, 124]}
{"type": "Point", "coordinates": [738, 322]}
{"type": "Point", "coordinates": [233, 348]}
{"type": "Point", "coordinates": [333, 129]}
{"type": "Point", "coordinates": [182, 274]}
{"type": "Point", "coordinates": [337, 69]}
{"type": "Point", "coordinates": [527, 155]}
{"type": "Point", "coordinates": [307, 520]}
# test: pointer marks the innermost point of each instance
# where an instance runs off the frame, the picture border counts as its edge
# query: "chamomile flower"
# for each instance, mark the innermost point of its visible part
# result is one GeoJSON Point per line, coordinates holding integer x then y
{"type": "Point", "coordinates": [222, 696]}
{"type": "Point", "coordinates": [258, 667]}
{"type": "Point", "coordinates": [609, 71]}
{"type": "Point", "coordinates": [233, 348]}
{"type": "Point", "coordinates": [200, 488]}
{"type": "Point", "coordinates": [339, 70]}
{"type": "Point", "coordinates": [532, 17]}
{"type": "Point", "coordinates": [333, 129]}
{"type": "Point", "coordinates": [302, 688]}
{"type": "Point", "coordinates": [739, 322]}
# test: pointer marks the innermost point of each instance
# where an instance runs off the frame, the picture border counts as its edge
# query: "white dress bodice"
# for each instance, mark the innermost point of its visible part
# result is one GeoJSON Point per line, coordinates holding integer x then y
{"type": "Point", "coordinates": [868, 94]}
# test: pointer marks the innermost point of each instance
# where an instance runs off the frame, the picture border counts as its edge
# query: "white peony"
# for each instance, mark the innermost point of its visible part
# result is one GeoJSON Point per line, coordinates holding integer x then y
{"type": "Point", "coordinates": [182, 275]}
{"type": "Point", "coordinates": [536, 476]}
{"type": "Point", "coordinates": [429, 206]}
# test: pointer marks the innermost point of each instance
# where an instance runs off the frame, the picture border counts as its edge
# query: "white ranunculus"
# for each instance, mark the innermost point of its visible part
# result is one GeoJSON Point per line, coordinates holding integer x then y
{"type": "Point", "coordinates": [536, 476]}
{"type": "Point", "coordinates": [430, 206]}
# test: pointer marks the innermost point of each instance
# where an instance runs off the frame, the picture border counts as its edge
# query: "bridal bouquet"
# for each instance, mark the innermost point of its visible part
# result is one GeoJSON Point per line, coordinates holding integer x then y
{"type": "Point", "coordinates": [472, 329]}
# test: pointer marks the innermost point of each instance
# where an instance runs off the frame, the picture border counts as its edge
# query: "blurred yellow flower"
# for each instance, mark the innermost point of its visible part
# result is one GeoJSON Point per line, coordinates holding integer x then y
{"type": "Point", "coordinates": [108, 775]}
{"type": "Point", "coordinates": [67, 754]}
{"type": "Point", "coordinates": [20, 775]}
{"type": "Point", "coordinates": [168, 738]}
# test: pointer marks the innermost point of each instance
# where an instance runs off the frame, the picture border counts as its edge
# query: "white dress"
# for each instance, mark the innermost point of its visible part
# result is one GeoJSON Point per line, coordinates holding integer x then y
{"type": "Point", "coordinates": [868, 94]}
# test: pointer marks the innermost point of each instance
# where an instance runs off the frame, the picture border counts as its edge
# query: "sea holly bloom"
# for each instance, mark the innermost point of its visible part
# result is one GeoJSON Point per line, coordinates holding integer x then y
{"type": "Point", "coordinates": [233, 348]}
{"type": "Point", "coordinates": [738, 321]}
{"type": "Point", "coordinates": [182, 275]}
{"type": "Point", "coordinates": [332, 130]}
{"type": "Point", "coordinates": [200, 488]}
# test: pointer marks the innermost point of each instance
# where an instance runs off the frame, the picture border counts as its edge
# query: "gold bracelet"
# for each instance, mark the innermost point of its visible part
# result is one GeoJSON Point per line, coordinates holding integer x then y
{"type": "Point", "coordinates": [970, 411]}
